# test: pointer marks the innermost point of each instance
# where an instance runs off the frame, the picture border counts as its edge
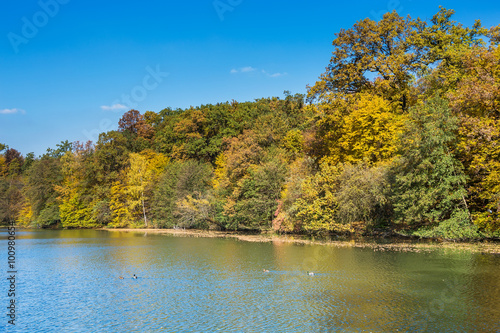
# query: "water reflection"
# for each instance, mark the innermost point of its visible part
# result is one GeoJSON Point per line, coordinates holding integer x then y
{"type": "Point", "coordinates": [68, 281]}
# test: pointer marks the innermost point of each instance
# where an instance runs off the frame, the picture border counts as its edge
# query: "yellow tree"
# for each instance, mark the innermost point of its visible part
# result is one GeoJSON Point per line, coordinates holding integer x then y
{"type": "Point", "coordinates": [368, 130]}
{"type": "Point", "coordinates": [475, 99]}
{"type": "Point", "coordinates": [3, 166]}
{"type": "Point", "coordinates": [477, 92]}
{"type": "Point", "coordinates": [479, 151]}
{"type": "Point", "coordinates": [118, 203]}
{"type": "Point", "coordinates": [25, 217]}
{"type": "Point", "coordinates": [75, 200]}
{"type": "Point", "coordinates": [293, 142]}
{"type": "Point", "coordinates": [317, 207]}
{"type": "Point", "coordinates": [386, 57]}
{"type": "Point", "coordinates": [286, 219]}
{"type": "Point", "coordinates": [144, 170]}
{"type": "Point", "coordinates": [386, 48]}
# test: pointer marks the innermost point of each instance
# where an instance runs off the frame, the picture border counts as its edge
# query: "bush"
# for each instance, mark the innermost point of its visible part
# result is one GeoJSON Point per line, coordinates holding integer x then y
{"type": "Point", "coordinates": [457, 227]}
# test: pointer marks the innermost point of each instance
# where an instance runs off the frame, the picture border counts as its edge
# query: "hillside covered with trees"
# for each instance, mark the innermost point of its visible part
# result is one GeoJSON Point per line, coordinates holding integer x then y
{"type": "Point", "coordinates": [401, 133]}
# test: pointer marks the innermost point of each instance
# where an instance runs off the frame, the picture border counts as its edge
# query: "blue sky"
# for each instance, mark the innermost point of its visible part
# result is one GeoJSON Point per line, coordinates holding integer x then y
{"type": "Point", "coordinates": [69, 68]}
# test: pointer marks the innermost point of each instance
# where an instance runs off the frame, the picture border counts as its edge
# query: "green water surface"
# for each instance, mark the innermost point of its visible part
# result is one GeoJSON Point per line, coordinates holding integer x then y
{"type": "Point", "coordinates": [68, 281]}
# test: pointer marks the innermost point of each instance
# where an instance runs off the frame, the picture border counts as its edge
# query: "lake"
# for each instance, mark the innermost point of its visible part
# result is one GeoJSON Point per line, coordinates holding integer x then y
{"type": "Point", "coordinates": [68, 281]}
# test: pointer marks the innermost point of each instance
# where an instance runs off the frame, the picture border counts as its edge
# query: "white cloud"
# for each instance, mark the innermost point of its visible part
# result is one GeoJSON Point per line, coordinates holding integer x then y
{"type": "Point", "coordinates": [247, 69]}
{"type": "Point", "coordinates": [113, 107]}
{"type": "Point", "coordinates": [273, 74]}
{"type": "Point", "coordinates": [12, 111]}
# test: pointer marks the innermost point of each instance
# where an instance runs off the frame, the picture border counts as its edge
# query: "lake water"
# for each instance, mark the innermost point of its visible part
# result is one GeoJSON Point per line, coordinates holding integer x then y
{"type": "Point", "coordinates": [67, 281]}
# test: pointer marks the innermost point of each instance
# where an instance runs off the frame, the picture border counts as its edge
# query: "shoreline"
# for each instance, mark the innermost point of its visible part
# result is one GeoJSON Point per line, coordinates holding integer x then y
{"type": "Point", "coordinates": [391, 244]}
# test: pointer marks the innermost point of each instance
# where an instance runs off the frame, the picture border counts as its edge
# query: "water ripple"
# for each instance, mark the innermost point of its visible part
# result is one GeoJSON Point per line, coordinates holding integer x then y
{"type": "Point", "coordinates": [68, 282]}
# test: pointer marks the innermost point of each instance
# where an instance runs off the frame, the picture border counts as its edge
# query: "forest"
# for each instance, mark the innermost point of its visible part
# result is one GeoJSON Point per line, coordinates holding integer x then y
{"type": "Point", "coordinates": [399, 135]}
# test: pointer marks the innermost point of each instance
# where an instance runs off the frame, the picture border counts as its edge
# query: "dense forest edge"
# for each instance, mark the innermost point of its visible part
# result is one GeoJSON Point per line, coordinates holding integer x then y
{"type": "Point", "coordinates": [399, 136]}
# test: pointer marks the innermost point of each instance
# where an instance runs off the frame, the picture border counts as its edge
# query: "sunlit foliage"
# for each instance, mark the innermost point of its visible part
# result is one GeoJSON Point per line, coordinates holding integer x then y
{"type": "Point", "coordinates": [400, 134]}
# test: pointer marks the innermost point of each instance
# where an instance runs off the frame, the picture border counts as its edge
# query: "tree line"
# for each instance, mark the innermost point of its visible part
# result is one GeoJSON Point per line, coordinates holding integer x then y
{"type": "Point", "coordinates": [401, 133]}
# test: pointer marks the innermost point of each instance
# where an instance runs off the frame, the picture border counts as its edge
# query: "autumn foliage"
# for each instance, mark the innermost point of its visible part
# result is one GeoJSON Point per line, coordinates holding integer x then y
{"type": "Point", "coordinates": [401, 134]}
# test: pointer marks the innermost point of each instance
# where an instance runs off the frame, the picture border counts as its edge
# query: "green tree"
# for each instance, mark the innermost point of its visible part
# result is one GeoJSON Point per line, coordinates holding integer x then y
{"type": "Point", "coordinates": [363, 196]}
{"type": "Point", "coordinates": [62, 148]}
{"type": "Point", "coordinates": [243, 153]}
{"type": "Point", "coordinates": [256, 196]}
{"type": "Point", "coordinates": [28, 161]}
{"type": "Point", "coordinates": [10, 199]}
{"type": "Point", "coordinates": [111, 156]}
{"type": "Point", "coordinates": [447, 42]}
{"type": "Point", "coordinates": [42, 178]}
{"type": "Point", "coordinates": [182, 197]}
{"type": "Point", "coordinates": [429, 183]}
{"type": "Point", "coordinates": [473, 87]}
